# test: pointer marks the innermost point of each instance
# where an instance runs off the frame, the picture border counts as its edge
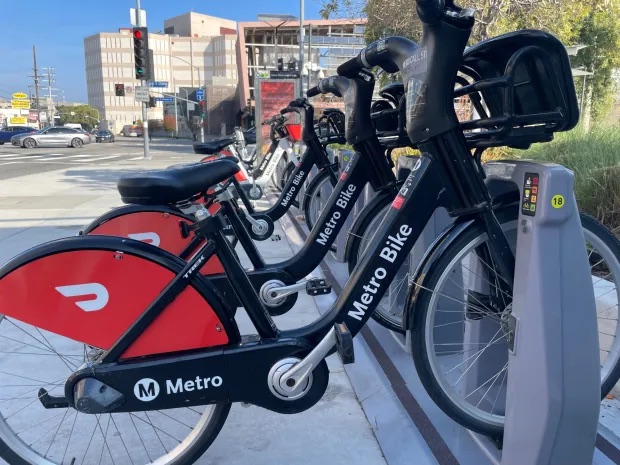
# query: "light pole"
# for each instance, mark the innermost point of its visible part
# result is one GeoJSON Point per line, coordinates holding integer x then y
{"type": "Point", "coordinates": [145, 116]}
{"type": "Point", "coordinates": [202, 128]}
{"type": "Point", "coordinates": [301, 46]}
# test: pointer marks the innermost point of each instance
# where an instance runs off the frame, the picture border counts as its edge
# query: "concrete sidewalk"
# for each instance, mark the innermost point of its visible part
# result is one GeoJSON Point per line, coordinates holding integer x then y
{"type": "Point", "coordinates": [42, 207]}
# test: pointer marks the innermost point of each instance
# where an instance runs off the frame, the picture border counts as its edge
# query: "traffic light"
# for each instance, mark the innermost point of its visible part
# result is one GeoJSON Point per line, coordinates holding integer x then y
{"type": "Point", "coordinates": [280, 64]}
{"type": "Point", "coordinates": [152, 102]}
{"type": "Point", "coordinates": [119, 89]}
{"type": "Point", "coordinates": [141, 53]}
{"type": "Point", "coordinates": [202, 107]}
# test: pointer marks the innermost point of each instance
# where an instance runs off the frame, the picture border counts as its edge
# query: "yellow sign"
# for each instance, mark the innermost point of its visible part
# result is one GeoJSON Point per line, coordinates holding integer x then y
{"type": "Point", "coordinates": [21, 104]}
{"type": "Point", "coordinates": [19, 95]}
{"type": "Point", "coordinates": [18, 120]}
{"type": "Point", "coordinates": [557, 201]}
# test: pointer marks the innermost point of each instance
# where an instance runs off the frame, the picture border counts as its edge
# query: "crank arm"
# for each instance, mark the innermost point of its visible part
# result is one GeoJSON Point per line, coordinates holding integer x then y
{"type": "Point", "coordinates": [314, 286]}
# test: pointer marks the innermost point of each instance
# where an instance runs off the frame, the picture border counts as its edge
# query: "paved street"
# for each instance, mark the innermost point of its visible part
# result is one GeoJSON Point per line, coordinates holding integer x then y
{"type": "Point", "coordinates": [16, 161]}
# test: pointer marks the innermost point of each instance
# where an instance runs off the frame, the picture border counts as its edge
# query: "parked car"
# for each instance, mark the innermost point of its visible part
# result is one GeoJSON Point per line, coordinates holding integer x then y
{"type": "Point", "coordinates": [49, 137]}
{"type": "Point", "coordinates": [7, 133]}
{"type": "Point", "coordinates": [86, 133]}
{"type": "Point", "coordinates": [104, 136]}
{"type": "Point", "coordinates": [74, 125]}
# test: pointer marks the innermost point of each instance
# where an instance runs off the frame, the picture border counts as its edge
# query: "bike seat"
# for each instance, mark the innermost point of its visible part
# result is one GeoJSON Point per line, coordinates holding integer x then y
{"type": "Point", "coordinates": [213, 146]}
{"type": "Point", "coordinates": [172, 185]}
{"type": "Point", "coordinates": [205, 160]}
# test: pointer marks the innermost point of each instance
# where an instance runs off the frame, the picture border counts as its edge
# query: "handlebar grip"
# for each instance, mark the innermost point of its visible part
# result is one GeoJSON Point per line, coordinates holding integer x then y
{"type": "Point", "coordinates": [298, 103]}
{"type": "Point", "coordinates": [286, 110]}
{"type": "Point", "coordinates": [313, 92]}
{"type": "Point", "coordinates": [350, 67]}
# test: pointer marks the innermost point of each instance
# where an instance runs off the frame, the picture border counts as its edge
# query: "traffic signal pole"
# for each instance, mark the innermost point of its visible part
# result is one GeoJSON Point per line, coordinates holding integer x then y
{"type": "Point", "coordinates": [145, 116]}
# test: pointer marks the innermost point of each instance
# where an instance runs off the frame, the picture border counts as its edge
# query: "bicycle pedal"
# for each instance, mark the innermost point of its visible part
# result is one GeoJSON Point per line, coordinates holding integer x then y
{"type": "Point", "coordinates": [318, 286]}
{"type": "Point", "coordinates": [344, 343]}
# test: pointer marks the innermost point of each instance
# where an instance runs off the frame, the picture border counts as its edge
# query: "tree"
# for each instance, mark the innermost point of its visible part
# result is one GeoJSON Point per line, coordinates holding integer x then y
{"type": "Point", "coordinates": [85, 115]}
{"type": "Point", "coordinates": [588, 22]}
{"type": "Point", "coordinates": [599, 32]}
{"type": "Point", "coordinates": [493, 17]}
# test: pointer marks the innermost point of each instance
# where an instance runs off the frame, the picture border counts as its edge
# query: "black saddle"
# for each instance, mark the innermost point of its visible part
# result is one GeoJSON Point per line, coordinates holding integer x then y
{"type": "Point", "coordinates": [172, 185]}
{"type": "Point", "coordinates": [213, 146]}
{"type": "Point", "coordinates": [182, 165]}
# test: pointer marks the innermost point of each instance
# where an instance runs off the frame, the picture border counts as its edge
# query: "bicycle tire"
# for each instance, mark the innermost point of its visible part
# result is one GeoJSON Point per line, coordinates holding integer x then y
{"type": "Point", "coordinates": [417, 316]}
{"type": "Point", "coordinates": [312, 191]}
{"type": "Point", "coordinates": [278, 173]}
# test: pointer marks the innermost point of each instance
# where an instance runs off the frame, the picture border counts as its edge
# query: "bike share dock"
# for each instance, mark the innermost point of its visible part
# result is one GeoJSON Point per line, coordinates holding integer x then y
{"type": "Point", "coordinates": [557, 427]}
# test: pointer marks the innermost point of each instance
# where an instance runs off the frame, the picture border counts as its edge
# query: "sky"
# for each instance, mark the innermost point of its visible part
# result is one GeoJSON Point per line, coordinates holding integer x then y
{"type": "Point", "coordinates": [58, 27]}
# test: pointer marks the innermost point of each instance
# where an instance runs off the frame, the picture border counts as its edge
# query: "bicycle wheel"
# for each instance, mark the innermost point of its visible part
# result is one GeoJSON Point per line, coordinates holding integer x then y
{"type": "Point", "coordinates": [277, 177]}
{"type": "Point", "coordinates": [389, 311]}
{"type": "Point", "coordinates": [460, 295]}
{"type": "Point", "coordinates": [30, 434]}
{"type": "Point", "coordinates": [317, 194]}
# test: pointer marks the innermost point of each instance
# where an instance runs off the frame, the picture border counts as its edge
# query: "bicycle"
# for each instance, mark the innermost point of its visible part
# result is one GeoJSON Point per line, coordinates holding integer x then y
{"type": "Point", "coordinates": [134, 363]}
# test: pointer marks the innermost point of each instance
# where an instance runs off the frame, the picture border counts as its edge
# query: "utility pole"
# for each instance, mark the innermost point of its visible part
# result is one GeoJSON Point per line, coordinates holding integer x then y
{"type": "Point", "coordinates": [309, 55]}
{"type": "Point", "coordinates": [145, 116]}
{"type": "Point", "coordinates": [301, 47]}
{"type": "Point", "coordinates": [49, 75]}
{"type": "Point", "coordinates": [36, 84]}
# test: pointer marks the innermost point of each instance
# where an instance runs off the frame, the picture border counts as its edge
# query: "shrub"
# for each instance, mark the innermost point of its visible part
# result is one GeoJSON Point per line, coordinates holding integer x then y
{"type": "Point", "coordinates": [594, 157]}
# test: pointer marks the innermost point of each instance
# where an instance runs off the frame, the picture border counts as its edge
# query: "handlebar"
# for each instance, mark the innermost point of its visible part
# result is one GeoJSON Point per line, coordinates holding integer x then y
{"type": "Point", "coordinates": [275, 119]}
{"type": "Point", "coordinates": [336, 85]}
{"type": "Point", "coordinates": [391, 57]}
{"type": "Point", "coordinates": [290, 109]}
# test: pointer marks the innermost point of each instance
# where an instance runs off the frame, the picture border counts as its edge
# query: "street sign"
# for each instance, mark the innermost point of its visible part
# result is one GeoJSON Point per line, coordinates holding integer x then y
{"type": "Point", "coordinates": [21, 104]}
{"type": "Point", "coordinates": [158, 83]}
{"type": "Point", "coordinates": [128, 89]}
{"type": "Point", "coordinates": [19, 96]}
{"type": "Point", "coordinates": [284, 74]}
{"type": "Point", "coordinates": [132, 17]}
{"type": "Point", "coordinates": [164, 99]}
{"type": "Point", "coordinates": [200, 95]}
{"type": "Point", "coordinates": [141, 93]}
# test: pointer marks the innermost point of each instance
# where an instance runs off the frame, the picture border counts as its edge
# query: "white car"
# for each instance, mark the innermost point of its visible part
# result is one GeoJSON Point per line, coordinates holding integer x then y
{"type": "Point", "coordinates": [51, 137]}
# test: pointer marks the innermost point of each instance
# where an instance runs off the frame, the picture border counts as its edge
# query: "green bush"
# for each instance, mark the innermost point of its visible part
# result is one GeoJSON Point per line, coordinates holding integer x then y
{"type": "Point", "coordinates": [594, 157]}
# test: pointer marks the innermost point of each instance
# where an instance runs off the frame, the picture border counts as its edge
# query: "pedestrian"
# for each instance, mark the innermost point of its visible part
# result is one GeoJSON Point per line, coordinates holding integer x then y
{"type": "Point", "coordinates": [150, 136]}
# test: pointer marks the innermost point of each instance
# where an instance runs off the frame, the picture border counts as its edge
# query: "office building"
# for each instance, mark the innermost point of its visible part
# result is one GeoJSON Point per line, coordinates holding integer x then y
{"type": "Point", "coordinates": [195, 50]}
{"type": "Point", "coordinates": [327, 43]}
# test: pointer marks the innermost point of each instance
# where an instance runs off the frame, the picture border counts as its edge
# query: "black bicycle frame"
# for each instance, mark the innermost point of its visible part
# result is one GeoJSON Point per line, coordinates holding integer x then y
{"type": "Point", "coordinates": [314, 156]}
{"type": "Point", "coordinates": [258, 172]}
{"type": "Point", "coordinates": [361, 170]}
{"type": "Point", "coordinates": [401, 227]}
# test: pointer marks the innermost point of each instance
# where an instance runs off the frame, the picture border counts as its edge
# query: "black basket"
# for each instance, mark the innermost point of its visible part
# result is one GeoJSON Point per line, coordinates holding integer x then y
{"type": "Point", "coordinates": [388, 116]}
{"type": "Point", "coordinates": [521, 87]}
{"type": "Point", "coordinates": [330, 127]}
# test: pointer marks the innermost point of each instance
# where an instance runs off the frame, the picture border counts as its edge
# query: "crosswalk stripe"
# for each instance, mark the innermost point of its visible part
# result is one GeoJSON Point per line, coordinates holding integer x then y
{"type": "Point", "coordinates": [2, 155]}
